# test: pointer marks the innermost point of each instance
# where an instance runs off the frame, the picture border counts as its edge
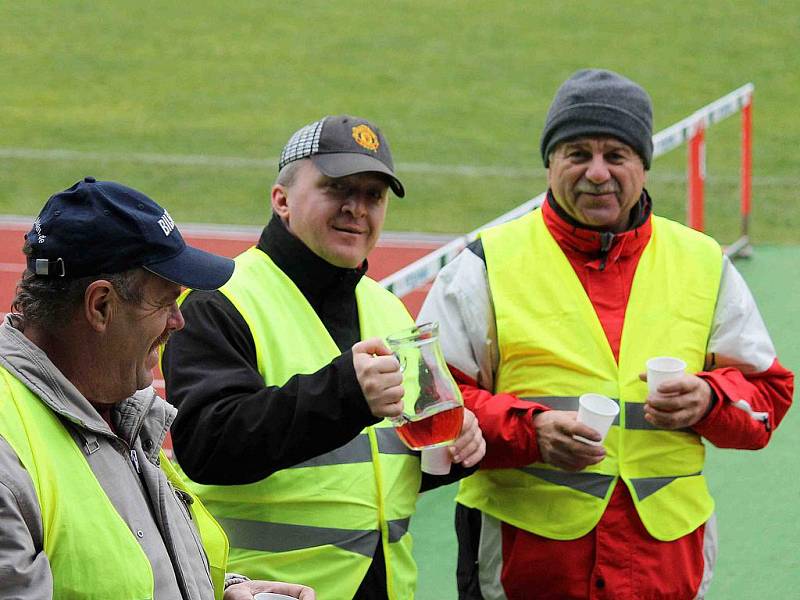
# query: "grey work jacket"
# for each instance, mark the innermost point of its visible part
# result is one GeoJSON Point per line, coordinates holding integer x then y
{"type": "Point", "coordinates": [125, 464]}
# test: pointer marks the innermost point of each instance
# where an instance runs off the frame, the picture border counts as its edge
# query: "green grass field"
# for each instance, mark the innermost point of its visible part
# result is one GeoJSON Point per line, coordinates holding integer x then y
{"type": "Point", "coordinates": [452, 83]}
{"type": "Point", "coordinates": [190, 101]}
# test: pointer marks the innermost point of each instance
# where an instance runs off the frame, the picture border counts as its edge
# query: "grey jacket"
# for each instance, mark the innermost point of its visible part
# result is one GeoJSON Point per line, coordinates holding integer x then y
{"type": "Point", "coordinates": [127, 466]}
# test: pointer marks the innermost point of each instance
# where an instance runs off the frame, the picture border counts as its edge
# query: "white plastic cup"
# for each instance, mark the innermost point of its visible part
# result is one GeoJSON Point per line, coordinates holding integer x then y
{"type": "Point", "coordinates": [662, 369]}
{"type": "Point", "coordinates": [272, 596]}
{"type": "Point", "coordinates": [598, 412]}
{"type": "Point", "coordinates": [436, 461]}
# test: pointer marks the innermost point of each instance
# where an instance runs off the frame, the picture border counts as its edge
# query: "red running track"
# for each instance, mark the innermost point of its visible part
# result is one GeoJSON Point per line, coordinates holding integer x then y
{"type": "Point", "coordinates": [388, 257]}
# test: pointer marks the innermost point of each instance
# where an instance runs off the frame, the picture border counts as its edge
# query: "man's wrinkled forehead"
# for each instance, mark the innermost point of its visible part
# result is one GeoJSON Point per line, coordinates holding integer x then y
{"type": "Point", "coordinates": [607, 142]}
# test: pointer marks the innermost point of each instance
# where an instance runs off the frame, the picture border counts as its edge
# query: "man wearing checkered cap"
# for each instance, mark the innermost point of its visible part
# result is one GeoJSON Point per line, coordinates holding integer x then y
{"type": "Point", "coordinates": [284, 383]}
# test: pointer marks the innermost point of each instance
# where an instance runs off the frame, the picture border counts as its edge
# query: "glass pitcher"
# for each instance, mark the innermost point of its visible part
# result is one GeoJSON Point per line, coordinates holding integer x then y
{"type": "Point", "coordinates": [433, 410]}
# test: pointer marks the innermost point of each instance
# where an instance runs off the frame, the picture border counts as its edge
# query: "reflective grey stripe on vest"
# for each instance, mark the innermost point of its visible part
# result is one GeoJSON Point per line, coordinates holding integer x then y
{"type": "Point", "coordinates": [398, 528]}
{"type": "Point", "coordinates": [355, 451]}
{"type": "Point", "coordinates": [594, 484]}
{"type": "Point", "coordinates": [563, 403]}
{"type": "Point", "coordinates": [645, 486]}
{"type": "Point", "coordinates": [634, 419]}
{"type": "Point", "coordinates": [358, 450]}
{"type": "Point", "coordinates": [390, 443]}
{"type": "Point", "coordinates": [556, 402]}
{"type": "Point", "coordinates": [281, 537]}
{"type": "Point", "coordinates": [634, 411]}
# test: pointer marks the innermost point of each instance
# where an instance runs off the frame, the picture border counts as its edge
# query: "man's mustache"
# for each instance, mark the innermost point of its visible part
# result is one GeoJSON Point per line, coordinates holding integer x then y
{"type": "Point", "coordinates": [586, 187]}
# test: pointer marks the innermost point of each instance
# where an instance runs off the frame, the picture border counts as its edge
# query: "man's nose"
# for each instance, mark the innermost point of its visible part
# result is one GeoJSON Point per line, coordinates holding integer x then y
{"type": "Point", "coordinates": [355, 203]}
{"type": "Point", "coordinates": [597, 171]}
{"type": "Point", "coordinates": [175, 321]}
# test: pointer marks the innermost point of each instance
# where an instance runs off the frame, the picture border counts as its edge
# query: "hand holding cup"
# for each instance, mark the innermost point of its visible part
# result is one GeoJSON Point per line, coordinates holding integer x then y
{"type": "Point", "coordinates": [598, 412]}
{"type": "Point", "coordinates": [675, 400]}
{"type": "Point", "coordinates": [555, 436]}
{"type": "Point", "coordinates": [662, 369]}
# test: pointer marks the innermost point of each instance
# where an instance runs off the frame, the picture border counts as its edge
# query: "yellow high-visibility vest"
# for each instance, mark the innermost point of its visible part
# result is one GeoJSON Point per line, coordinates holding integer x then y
{"type": "Point", "coordinates": [553, 349]}
{"type": "Point", "coordinates": [93, 553]}
{"type": "Point", "coordinates": [318, 522]}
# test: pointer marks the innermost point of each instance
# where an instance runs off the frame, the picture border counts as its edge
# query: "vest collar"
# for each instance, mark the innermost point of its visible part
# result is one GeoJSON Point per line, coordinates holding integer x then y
{"type": "Point", "coordinates": [313, 275]}
{"type": "Point", "coordinates": [595, 247]}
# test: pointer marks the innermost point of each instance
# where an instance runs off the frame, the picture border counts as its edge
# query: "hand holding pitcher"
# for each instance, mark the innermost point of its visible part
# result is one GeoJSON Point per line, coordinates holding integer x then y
{"type": "Point", "coordinates": [379, 376]}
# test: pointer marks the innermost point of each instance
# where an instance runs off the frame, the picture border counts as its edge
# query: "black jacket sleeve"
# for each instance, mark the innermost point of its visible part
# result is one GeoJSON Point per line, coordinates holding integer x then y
{"type": "Point", "coordinates": [457, 473]}
{"type": "Point", "coordinates": [233, 429]}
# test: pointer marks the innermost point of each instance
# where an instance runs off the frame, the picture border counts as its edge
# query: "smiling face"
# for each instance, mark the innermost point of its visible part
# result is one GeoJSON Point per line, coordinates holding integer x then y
{"type": "Point", "coordinates": [597, 181]}
{"type": "Point", "coordinates": [138, 330]}
{"type": "Point", "coordinates": [340, 218]}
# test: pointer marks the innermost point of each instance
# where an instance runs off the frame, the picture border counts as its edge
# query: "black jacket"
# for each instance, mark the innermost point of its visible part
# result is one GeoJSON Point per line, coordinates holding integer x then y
{"type": "Point", "coordinates": [231, 428]}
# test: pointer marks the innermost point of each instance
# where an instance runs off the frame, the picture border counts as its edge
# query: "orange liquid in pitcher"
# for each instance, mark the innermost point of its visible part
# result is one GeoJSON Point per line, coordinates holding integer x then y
{"type": "Point", "coordinates": [439, 428]}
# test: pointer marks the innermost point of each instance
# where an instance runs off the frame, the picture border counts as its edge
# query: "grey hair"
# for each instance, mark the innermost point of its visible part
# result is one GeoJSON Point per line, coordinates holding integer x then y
{"type": "Point", "coordinates": [51, 302]}
{"type": "Point", "coordinates": [288, 173]}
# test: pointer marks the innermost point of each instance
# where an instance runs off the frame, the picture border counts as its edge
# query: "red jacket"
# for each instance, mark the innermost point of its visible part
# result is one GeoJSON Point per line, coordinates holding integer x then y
{"type": "Point", "coordinates": [618, 559]}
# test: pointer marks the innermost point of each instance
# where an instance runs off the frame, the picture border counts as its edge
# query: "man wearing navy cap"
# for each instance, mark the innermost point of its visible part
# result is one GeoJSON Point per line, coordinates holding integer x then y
{"type": "Point", "coordinates": [283, 382]}
{"type": "Point", "coordinates": [89, 507]}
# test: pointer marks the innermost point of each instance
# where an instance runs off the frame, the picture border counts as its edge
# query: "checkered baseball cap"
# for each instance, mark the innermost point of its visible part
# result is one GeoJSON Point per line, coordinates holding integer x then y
{"type": "Point", "coordinates": [343, 145]}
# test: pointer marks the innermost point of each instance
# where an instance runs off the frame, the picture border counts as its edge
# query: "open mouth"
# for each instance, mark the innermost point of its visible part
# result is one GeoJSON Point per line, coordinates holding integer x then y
{"type": "Point", "coordinates": [162, 339]}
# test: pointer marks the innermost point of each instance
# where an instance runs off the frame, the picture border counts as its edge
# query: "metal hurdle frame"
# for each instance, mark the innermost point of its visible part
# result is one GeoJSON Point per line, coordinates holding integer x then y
{"type": "Point", "coordinates": [690, 130]}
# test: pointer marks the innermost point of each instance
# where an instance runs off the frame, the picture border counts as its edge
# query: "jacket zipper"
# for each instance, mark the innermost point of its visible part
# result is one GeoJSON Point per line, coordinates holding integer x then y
{"type": "Point", "coordinates": [135, 461]}
{"type": "Point", "coordinates": [606, 240]}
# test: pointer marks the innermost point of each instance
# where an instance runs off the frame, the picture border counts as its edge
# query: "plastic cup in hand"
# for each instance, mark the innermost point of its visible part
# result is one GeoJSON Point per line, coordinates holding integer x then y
{"type": "Point", "coordinates": [662, 369]}
{"type": "Point", "coordinates": [272, 596]}
{"type": "Point", "coordinates": [436, 461]}
{"type": "Point", "coordinates": [598, 412]}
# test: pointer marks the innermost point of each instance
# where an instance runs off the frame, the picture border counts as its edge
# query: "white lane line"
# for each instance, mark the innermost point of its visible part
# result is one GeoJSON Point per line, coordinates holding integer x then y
{"type": "Point", "coordinates": [238, 162]}
{"type": "Point", "coordinates": [62, 154]}
{"type": "Point", "coordinates": [251, 233]}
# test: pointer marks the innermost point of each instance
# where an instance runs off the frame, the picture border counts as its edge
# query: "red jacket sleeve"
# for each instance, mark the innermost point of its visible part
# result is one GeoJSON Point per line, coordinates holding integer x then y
{"type": "Point", "coordinates": [726, 425]}
{"type": "Point", "coordinates": [506, 423]}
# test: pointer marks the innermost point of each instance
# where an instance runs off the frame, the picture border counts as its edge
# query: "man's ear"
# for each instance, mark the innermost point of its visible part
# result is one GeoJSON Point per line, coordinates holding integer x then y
{"type": "Point", "coordinates": [280, 201]}
{"type": "Point", "coordinates": [98, 304]}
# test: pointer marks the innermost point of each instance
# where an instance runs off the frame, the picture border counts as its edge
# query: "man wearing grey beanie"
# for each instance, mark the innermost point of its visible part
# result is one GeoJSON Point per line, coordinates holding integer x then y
{"type": "Point", "coordinates": [575, 298]}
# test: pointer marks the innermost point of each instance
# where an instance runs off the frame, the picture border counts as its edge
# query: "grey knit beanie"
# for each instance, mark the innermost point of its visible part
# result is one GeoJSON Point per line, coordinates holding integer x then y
{"type": "Point", "coordinates": [600, 102]}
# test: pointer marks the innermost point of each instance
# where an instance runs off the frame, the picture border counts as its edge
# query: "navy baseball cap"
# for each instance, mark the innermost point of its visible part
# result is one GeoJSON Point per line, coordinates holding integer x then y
{"type": "Point", "coordinates": [343, 145]}
{"type": "Point", "coordinates": [98, 227]}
